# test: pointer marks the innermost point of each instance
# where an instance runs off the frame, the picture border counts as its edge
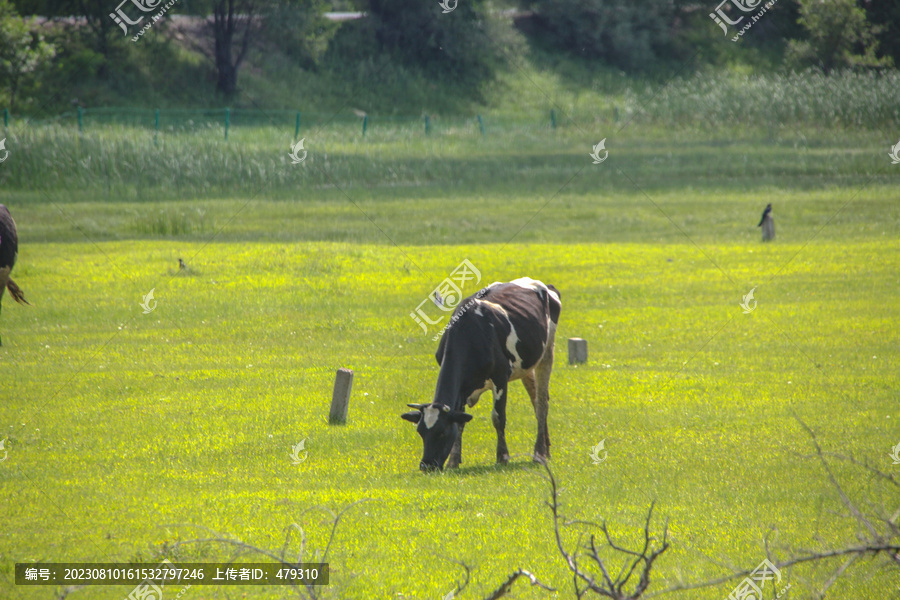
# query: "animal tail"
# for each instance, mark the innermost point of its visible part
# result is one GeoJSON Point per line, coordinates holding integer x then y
{"type": "Point", "coordinates": [16, 292]}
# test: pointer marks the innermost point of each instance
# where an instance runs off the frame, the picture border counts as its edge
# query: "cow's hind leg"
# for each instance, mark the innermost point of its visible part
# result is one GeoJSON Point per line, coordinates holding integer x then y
{"type": "Point", "coordinates": [530, 387]}
{"type": "Point", "coordinates": [542, 404]}
{"type": "Point", "coordinates": [456, 451]}
{"type": "Point", "coordinates": [498, 417]}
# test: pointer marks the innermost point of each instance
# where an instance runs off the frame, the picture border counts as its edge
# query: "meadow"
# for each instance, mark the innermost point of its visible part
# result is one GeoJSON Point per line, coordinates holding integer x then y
{"type": "Point", "coordinates": [128, 433]}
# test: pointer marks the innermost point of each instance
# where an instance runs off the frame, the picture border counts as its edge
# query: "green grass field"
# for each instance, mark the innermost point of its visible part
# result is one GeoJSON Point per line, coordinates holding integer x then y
{"type": "Point", "coordinates": [128, 432]}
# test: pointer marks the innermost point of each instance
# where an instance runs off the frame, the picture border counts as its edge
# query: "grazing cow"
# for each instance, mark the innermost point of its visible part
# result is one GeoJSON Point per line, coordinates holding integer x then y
{"type": "Point", "coordinates": [9, 251]}
{"type": "Point", "coordinates": [502, 333]}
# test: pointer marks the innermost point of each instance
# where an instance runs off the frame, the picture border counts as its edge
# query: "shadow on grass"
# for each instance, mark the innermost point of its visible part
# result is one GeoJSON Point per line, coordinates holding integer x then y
{"type": "Point", "coordinates": [517, 465]}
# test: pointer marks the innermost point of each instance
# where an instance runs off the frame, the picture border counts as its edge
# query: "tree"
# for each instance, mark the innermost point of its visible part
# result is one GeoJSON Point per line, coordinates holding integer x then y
{"type": "Point", "coordinates": [102, 35]}
{"type": "Point", "coordinates": [22, 51]}
{"type": "Point", "coordinates": [838, 36]}
{"type": "Point", "coordinates": [628, 35]}
{"type": "Point", "coordinates": [885, 17]}
{"type": "Point", "coordinates": [299, 29]}
{"type": "Point", "coordinates": [464, 44]}
{"type": "Point", "coordinates": [233, 22]}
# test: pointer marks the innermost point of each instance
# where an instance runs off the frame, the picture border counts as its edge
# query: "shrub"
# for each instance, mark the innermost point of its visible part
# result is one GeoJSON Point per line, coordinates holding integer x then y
{"type": "Point", "coordinates": [627, 35]}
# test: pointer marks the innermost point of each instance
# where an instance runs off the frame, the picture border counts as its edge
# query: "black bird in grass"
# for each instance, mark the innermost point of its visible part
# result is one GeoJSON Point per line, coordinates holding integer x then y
{"type": "Point", "coordinates": [765, 214]}
{"type": "Point", "coordinates": [181, 265]}
{"type": "Point", "coordinates": [9, 251]}
{"type": "Point", "coordinates": [768, 224]}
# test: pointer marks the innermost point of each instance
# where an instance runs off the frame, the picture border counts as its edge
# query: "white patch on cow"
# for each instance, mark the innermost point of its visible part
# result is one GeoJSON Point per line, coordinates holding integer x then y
{"type": "Point", "coordinates": [472, 400]}
{"type": "Point", "coordinates": [478, 310]}
{"type": "Point", "coordinates": [496, 307]}
{"type": "Point", "coordinates": [529, 283]}
{"type": "Point", "coordinates": [430, 414]}
{"type": "Point", "coordinates": [515, 365]}
{"type": "Point", "coordinates": [511, 342]}
{"type": "Point", "coordinates": [534, 284]}
{"type": "Point", "coordinates": [517, 374]}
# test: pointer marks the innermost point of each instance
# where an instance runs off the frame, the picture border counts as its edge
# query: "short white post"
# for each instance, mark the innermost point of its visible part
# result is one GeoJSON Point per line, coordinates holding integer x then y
{"type": "Point", "coordinates": [340, 399]}
{"type": "Point", "coordinates": [577, 351]}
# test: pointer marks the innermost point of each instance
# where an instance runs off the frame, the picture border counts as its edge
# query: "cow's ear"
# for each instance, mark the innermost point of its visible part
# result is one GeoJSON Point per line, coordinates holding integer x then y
{"type": "Point", "coordinates": [459, 416]}
{"type": "Point", "coordinates": [412, 417]}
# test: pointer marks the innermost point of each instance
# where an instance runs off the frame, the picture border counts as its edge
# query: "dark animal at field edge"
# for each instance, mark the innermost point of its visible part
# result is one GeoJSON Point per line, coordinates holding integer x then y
{"type": "Point", "coordinates": [9, 252]}
{"type": "Point", "coordinates": [767, 222]}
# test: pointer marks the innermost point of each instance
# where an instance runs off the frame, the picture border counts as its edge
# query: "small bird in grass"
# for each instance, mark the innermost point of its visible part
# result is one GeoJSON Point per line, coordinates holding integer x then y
{"type": "Point", "coordinates": [765, 214]}
{"type": "Point", "coordinates": [9, 251]}
{"type": "Point", "coordinates": [768, 224]}
{"type": "Point", "coordinates": [181, 265]}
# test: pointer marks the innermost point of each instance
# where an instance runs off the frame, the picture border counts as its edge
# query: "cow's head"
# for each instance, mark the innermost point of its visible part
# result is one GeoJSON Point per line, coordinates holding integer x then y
{"type": "Point", "coordinates": [439, 428]}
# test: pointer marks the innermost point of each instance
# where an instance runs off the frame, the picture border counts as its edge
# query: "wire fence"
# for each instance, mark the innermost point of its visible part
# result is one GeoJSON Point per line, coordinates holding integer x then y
{"type": "Point", "coordinates": [225, 120]}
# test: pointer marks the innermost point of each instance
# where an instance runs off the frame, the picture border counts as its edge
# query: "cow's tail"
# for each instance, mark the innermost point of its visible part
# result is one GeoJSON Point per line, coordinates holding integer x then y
{"type": "Point", "coordinates": [554, 304]}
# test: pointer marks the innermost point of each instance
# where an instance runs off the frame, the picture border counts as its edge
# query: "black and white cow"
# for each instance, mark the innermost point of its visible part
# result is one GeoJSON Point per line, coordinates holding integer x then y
{"type": "Point", "coordinates": [502, 333]}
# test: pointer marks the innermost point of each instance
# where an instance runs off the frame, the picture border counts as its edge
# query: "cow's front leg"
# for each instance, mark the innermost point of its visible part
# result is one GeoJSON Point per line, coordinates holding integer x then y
{"type": "Point", "coordinates": [498, 417]}
{"type": "Point", "coordinates": [456, 450]}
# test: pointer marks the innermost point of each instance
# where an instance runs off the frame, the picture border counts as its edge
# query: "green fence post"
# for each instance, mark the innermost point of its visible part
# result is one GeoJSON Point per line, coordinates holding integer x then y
{"type": "Point", "coordinates": [297, 126]}
{"type": "Point", "coordinates": [227, 122]}
{"type": "Point", "coordinates": [427, 125]}
{"type": "Point", "coordinates": [481, 125]}
{"type": "Point", "coordinates": [553, 118]}
{"type": "Point", "coordinates": [616, 114]}
{"type": "Point", "coordinates": [156, 127]}
{"type": "Point", "coordinates": [5, 118]}
{"type": "Point", "coordinates": [80, 120]}
{"type": "Point", "coordinates": [365, 124]}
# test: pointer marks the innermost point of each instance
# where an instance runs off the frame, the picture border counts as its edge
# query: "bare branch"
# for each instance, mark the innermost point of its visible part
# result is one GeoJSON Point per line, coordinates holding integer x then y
{"type": "Point", "coordinates": [68, 590]}
{"type": "Point", "coordinates": [609, 588]}
{"type": "Point", "coordinates": [881, 474]}
{"type": "Point", "coordinates": [846, 501]}
{"type": "Point", "coordinates": [461, 586]}
{"type": "Point", "coordinates": [334, 525]}
{"type": "Point", "coordinates": [837, 574]}
{"type": "Point", "coordinates": [876, 543]}
{"type": "Point", "coordinates": [308, 590]}
{"type": "Point", "coordinates": [505, 587]}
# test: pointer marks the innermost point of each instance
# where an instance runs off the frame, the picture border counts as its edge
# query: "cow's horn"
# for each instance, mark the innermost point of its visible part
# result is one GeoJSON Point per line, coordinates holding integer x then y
{"type": "Point", "coordinates": [417, 406]}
